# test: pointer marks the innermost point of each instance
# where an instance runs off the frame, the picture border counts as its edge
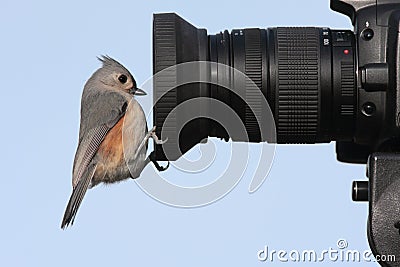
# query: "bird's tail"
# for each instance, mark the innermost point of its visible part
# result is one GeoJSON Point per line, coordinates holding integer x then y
{"type": "Point", "coordinates": [77, 196]}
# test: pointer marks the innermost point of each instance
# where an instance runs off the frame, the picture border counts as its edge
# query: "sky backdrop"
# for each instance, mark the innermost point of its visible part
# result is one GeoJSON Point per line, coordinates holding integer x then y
{"type": "Point", "coordinates": [49, 50]}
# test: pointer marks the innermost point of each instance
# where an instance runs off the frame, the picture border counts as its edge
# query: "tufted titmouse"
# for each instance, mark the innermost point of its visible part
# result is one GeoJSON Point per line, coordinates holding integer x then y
{"type": "Point", "coordinates": [101, 157]}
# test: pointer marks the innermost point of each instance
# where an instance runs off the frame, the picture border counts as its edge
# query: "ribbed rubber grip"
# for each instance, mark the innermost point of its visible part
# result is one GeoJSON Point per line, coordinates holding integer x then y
{"type": "Point", "coordinates": [253, 69]}
{"type": "Point", "coordinates": [164, 56]}
{"type": "Point", "coordinates": [347, 85]}
{"type": "Point", "coordinates": [298, 84]}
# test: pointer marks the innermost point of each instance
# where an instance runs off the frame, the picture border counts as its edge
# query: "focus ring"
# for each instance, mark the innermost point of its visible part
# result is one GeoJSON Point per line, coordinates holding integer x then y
{"type": "Point", "coordinates": [253, 69]}
{"type": "Point", "coordinates": [298, 85]}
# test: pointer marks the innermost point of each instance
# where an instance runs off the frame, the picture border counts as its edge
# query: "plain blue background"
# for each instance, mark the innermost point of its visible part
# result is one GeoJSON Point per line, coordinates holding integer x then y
{"type": "Point", "coordinates": [48, 50]}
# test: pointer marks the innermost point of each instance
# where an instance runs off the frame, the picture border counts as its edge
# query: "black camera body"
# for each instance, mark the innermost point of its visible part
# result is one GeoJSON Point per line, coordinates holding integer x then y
{"type": "Point", "coordinates": [321, 85]}
{"type": "Point", "coordinates": [376, 30]}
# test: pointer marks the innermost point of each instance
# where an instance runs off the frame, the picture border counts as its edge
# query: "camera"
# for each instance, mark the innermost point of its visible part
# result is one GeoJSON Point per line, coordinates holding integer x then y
{"type": "Point", "coordinates": [292, 85]}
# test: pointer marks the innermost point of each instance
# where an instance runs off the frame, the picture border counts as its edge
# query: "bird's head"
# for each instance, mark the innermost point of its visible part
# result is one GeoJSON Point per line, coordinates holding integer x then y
{"type": "Point", "coordinates": [113, 74]}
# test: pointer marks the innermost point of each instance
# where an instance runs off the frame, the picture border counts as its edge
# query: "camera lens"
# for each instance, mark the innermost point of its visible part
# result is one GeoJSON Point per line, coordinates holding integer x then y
{"type": "Point", "coordinates": [306, 74]}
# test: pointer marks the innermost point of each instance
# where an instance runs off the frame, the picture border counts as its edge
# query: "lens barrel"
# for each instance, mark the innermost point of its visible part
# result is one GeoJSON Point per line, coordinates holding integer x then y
{"type": "Point", "coordinates": [306, 74]}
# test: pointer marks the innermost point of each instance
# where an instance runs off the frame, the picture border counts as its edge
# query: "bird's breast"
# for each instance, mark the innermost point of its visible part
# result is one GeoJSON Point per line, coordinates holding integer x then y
{"type": "Point", "coordinates": [111, 149]}
{"type": "Point", "coordinates": [119, 147]}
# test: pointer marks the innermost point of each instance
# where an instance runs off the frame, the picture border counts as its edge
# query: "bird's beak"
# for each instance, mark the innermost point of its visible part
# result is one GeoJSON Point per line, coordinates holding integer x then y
{"type": "Point", "coordinates": [138, 91]}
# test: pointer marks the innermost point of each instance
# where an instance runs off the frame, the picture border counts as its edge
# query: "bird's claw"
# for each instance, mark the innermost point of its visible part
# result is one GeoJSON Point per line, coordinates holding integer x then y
{"type": "Point", "coordinates": [153, 135]}
{"type": "Point", "coordinates": [158, 141]}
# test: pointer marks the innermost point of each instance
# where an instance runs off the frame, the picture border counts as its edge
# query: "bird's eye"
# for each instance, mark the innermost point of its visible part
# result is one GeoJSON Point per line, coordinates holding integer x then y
{"type": "Point", "coordinates": [122, 78]}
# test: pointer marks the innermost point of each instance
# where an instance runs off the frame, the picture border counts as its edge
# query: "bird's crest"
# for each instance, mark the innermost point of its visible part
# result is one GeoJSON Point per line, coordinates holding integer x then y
{"type": "Point", "coordinates": [109, 62]}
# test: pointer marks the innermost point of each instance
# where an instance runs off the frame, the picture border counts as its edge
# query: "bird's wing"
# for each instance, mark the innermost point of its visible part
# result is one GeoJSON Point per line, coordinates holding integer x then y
{"type": "Point", "coordinates": [87, 149]}
{"type": "Point", "coordinates": [106, 112]}
{"type": "Point", "coordinates": [85, 170]}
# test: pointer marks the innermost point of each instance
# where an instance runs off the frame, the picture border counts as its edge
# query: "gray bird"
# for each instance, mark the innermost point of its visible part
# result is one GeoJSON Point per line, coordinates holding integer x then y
{"type": "Point", "coordinates": [109, 112]}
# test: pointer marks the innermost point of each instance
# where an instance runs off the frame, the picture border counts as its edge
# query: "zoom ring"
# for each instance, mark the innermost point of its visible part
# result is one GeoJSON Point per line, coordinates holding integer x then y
{"type": "Point", "coordinates": [297, 85]}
